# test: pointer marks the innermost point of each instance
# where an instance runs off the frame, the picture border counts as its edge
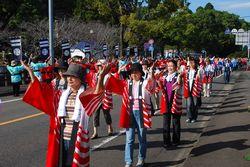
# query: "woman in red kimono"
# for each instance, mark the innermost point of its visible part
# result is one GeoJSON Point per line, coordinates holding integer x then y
{"type": "Point", "coordinates": [171, 104]}
{"type": "Point", "coordinates": [192, 88]}
{"type": "Point", "coordinates": [69, 113]}
{"type": "Point", "coordinates": [135, 109]}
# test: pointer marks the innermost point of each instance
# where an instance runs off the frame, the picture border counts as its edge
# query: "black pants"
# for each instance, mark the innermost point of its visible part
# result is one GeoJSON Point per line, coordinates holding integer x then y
{"type": "Point", "coordinates": [176, 128]}
{"type": "Point", "coordinates": [16, 88]}
{"type": "Point", "coordinates": [192, 108]}
{"type": "Point", "coordinates": [227, 76]}
{"type": "Point", "coordinates": [66, 158]}
{"type": "Point", "coordinates": [107, 116]}
{"type": "Point", "coordinates": [124, 74]}
{"type": "Point", "coordinates": [67, 147]}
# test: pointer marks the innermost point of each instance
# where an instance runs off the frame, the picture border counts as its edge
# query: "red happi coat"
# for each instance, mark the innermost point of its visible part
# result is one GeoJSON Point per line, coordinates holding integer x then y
{"type": "Point", "coordinates": [107, 99]}
{"type": "Point", "coordinates": [197, 85]}
{"type": "Point", "coordinates": [121, 87]}
{"type": "Point", "coordinates": [44, 97]}
{"type": "Point", "coordinates": [176, 107]}
{"type": "Point", "coordinates": [207, 79]}
{"type": "Point", "coordinates": [207, 76]}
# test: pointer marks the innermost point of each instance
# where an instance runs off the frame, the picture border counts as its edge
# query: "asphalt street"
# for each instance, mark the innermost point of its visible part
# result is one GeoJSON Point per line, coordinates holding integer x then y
{"type": "Point", "coordinates": [23, 134]}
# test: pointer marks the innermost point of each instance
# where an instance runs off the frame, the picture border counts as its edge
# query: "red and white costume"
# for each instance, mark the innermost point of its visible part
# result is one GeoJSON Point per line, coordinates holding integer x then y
{"type": "Point", "coordinates": [177, 97]}
{"type": "Point", "coordinates": [121, 87]}
{"type": "Point", "coordinates": [207, 79]}
{"type": "Point", "coordinates": [44, 97]}
{"type": "Point", "coordinates": [191, 87]}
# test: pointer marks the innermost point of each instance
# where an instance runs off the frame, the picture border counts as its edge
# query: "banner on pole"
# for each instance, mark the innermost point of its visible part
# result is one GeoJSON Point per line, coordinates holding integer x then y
{"type": "Point", "coordinates": [128, 51]}
{"type": "Point", "coordinates": [44, 48]}
{"type": "Point", "coordinates": [105, 50]}
{"type": "Point", "coordinates": [87, 51]}
{"type": "Point", "coordinates": [136, 51]}
{"type": "Point", "coordinates": [117, 51]}
{"type": "Point", "coordinates": [65, 49]}
{"type": "Point", "coordinates": [16, 45]}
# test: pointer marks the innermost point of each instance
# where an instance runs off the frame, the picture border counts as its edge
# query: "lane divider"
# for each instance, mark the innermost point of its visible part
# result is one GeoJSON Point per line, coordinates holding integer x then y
{"type": "Point", "coordinates": [20, 119]}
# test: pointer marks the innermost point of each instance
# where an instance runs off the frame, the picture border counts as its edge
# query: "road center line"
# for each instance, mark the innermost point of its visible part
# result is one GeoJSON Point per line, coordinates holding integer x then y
{"type": "Point", "coordinates": [8, 101]}
{"type": "Point", "coordinates": [20, 119]}
{"type": "Point", "coordinates": [107, 140]}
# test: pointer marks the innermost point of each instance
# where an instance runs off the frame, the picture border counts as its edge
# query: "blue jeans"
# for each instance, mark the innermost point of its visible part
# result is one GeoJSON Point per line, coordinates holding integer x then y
{"type": "Point", "coordinates": [130, 138]}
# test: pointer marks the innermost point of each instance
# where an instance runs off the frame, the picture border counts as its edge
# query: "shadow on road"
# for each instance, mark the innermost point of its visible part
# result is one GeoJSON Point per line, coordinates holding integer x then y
{"type": "Point", "coordinates": [164, 164]}
{"type": "Point", "coordinates": [232, 111]}
{"type": "Point", "coordinates": [208, 148]}
{"type": "Point", "coordinates": [241, 128]}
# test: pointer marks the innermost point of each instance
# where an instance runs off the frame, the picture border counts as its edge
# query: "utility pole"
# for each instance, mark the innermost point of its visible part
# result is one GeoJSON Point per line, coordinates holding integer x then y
{"type": "Point", "coordinates": [51, 32]}
{"type": "Point", "coordinates": [121, 31]}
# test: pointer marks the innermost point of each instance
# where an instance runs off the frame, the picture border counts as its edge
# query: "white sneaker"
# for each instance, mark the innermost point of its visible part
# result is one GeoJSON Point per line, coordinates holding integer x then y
{"type": "Point", "coordinates": [193, 121]}
{"type": "Point", "coordinates": [140, 163]}
{"type": "Point", "coordinates": [127, 165]}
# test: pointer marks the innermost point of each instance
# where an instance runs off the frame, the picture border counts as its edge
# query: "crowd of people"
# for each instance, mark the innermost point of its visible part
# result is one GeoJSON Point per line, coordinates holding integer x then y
{"type": "Point", "coordinates": [71, 91]}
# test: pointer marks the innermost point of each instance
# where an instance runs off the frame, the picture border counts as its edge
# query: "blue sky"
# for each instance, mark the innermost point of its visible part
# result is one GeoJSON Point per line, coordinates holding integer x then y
{"type": "Point", "coordinates": [239, 7]}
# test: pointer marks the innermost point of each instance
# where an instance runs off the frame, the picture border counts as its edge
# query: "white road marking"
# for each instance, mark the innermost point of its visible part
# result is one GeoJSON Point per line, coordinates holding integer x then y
{"type": "Point", "coordinates": [219, 76]}
{"type": "Point", "coordinates": [107, 140]}
{"type": "Point", "coordinates": [8, 101]}
{"type": "Point", "coordinates": [212, 106]}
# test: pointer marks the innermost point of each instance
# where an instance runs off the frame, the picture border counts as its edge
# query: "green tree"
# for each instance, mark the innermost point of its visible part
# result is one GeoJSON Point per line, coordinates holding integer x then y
{"type": "Point", "coordinates": [209, 6]}
{"type": "Point", "coordinates": [152, 25]}
{"type": "Point", "coordinates": [210, 25]}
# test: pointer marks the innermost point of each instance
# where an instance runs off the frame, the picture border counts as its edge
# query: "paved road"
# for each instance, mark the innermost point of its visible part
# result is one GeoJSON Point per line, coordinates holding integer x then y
{"type": "Point", "coordinates": [23, 134]}
{"type": "Point", "coordinates": [225, 141]}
